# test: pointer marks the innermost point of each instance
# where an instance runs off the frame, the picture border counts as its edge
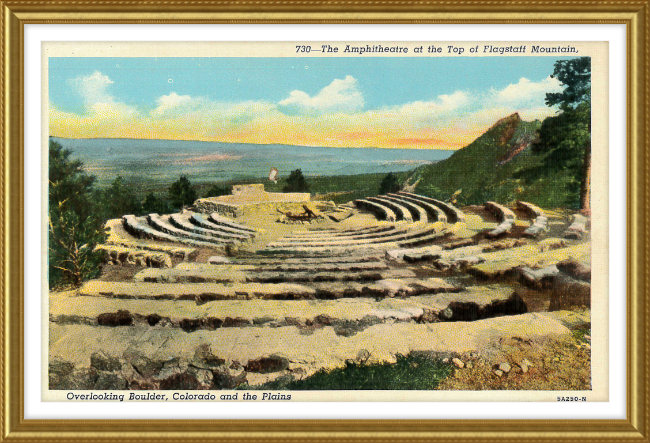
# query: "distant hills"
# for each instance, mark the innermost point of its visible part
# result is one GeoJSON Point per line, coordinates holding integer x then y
{"type": "Point", "coordinates": [499, 166]}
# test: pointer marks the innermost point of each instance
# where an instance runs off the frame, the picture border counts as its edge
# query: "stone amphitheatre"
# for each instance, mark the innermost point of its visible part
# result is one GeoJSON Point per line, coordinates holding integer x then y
{"type": "Point", "coordinates": [244, 289]}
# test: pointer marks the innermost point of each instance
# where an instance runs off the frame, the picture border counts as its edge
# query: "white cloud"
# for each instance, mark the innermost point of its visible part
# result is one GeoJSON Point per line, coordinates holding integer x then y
{"type": "Point", "coordinates": [526, 92]}
{"type": "Point", "coordinates": [434, 108]}
{"type": "Point", "coordinates": [338, 96]}
{"type": "Point", "coordinates": [173, 103]}
{"type": "Point", "coordinates": [93, 88]}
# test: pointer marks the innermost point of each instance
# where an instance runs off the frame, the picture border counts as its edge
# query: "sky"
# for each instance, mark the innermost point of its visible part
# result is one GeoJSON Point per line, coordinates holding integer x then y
{"type": "Point", "coordinates": [385, 102]}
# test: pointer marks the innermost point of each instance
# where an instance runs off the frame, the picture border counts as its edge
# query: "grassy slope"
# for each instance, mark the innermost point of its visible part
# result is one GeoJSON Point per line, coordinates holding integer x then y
{"type": "Point", "coordinates": [476, 171]}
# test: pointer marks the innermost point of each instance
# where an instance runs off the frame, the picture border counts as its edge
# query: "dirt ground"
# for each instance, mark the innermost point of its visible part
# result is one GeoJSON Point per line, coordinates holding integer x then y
{"type": "Point", "coordinates": [543, 364]}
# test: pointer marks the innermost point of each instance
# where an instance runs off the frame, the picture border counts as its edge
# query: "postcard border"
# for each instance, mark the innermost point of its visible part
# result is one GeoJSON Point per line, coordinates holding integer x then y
{"type": "Point", "coordinates": [15, 15]}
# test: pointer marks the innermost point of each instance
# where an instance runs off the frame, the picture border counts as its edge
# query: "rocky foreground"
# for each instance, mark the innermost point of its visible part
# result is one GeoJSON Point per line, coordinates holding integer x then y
{"type": "Point", "coordinates": [187, 302]}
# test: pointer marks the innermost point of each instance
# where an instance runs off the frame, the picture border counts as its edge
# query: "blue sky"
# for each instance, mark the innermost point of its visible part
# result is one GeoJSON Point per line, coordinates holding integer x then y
{"type": "Point", "coordinates": [365, 88]}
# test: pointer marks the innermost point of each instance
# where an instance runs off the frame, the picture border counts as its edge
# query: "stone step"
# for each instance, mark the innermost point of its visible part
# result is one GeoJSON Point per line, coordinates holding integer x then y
{"type": "Point", "coordinates": [476, 303]}
{"type": "Point", "coordinates": [401, 212]}
{"type": "Point", "coordinates": [139, 229]}
{"type": "Point", "coordinates": [434, 213]}
{"type": "Point", "coordinates": [382, 212]}
{"type": "Point", "coordinates": [500, 212]}
{"type": "Point", "coordinates": [504, 263]}
{"type": "Point", "coordinates": [118, 236]}
{"type": "Point", "coordinates": [149, 358]}
{"type": "Point", "coordinates": [223, 221]}
{"type": "Point", "coordinates": [436, 234]}
{"type": "Point", "coordinates": [161, 223]}
{"type": "Point", "coordinates": [576, 269]}
{"type": "Point", "coordinates": [418, 213]}
{"type": "Point", "coordinates": [244, 274]}
{"type": "Point", "coordinates": [350, 258]}
{"type": "Point", "coordinates": [349, 231]}
{"type": "Point", "coordinates": [120, 255]}
{"type": "Point", "coordinates": [454, 215]}
{"type": "Point", "coordinates": [291, 267]}
{"type": "Point", "coordinates": [578, 227]}
{"type": "Point", "coordinates": [201, 221]}
{"type": "Point", "coordinates": [537, 228]}
{"type": "Point", "coordinates": [530, 209]}
{"type": "Point", "coordinates": [203, 292]}
{"type": "Point", "coordinates": [179, 222]}
{"type": "Point", "coordinates": [397, 236]}
{"type": "Point", "coordinates": [338, 238]}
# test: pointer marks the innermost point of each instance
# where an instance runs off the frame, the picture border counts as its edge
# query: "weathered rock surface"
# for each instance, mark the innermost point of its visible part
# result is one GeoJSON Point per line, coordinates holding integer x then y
{"type": "Point", "coordinates": [149, 351]}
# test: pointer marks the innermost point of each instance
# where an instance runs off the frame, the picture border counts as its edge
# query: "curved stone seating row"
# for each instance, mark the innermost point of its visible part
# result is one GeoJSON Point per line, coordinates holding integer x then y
{"type": "Point", "coordinates": [504, 214]}
{"type": "Point", "coordinates": [140, 230]}
{"type": "Point", "coordinates": [201, 221]}
{"type": "Point", "coordinates": [179, 222]}
{"type": "Point", "coordinates": [530, 209]}
{"type": "Point", "coordinates": [454, 215]}
{"type": "Point", "coordinates": [500, 211]}
{"type": "Point", "coordinates": [302, 239]}
{"type": "Point", "coordinates": [378, 210]}
{"type": "Point", "coordinates": [223, 221]}
{"type": "Point", "coordinates": [423, 240]}
{"type": "Point", "coordinates": [577, 228]}
{"type": "Point", "coordinates": [432, 212]}
{"type": "Point", "coordinates": [400, 211]}
{"type": "Point", "coordinates": [120, 255]}
{"type": "Point", "coordinates": [158, 223]}
{"type": "Point", "coordinates": [213, 275]}
{"type": "Point", "coordinates": [342, 233]}
{"type": "Point", "coordinates": [406, 287]}
{"type": "Point", "coordinates": [418, 213]}
{"type": "Point", "coordinates": [332, 258]}
{"type": "Point", "coordinates": [393, 238]}
{"type": "Point", "coordinates": [118, 236]}
{"type": "Point", "coordinates": [538, 227]}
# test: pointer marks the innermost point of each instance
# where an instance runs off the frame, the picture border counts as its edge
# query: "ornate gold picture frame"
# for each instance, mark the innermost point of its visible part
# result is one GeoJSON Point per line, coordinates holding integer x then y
{"type": "Point", "coordinates": [15, 15]}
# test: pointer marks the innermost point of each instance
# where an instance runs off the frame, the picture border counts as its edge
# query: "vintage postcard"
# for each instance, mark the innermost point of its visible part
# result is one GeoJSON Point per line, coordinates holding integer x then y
{"type": "Point", "coordinates": [325, 221]}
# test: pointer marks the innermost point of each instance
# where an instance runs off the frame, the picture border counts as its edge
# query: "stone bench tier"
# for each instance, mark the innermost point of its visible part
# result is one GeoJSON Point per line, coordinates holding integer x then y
{"type": "Point", "coordinates": [179, 222]}
{"type": "Point", "coordinates": [335, 238]}
{"type": "Point", "coordinates": [502, 229]}
{"type": "Point", "coordinates": [157, 222]}
{"type": "Point", "coordinates": [342, 233]}
{"type": "Point", "coordinates": [380, 211]}
{"type": "Point", "coordinates": [434, 213]}
{"type": "Point", "coordinates": [212, 275]}
{"type": "Point", "coordinates": [454, 215]}
{"type": "Point", "coordinates": [537, 228]}
{"type": "Point", "coordinates": [401, 212]}
{"type": "Point", "coordinates": [201, 221]}
{"type": "Point", "coordinates": [204, 292]}
{"type": "Point", "coordinates": [399, 237]}
{"type": "Point", "coordinates": [500, 211]}
{"type": "Point", "coordinates": [420, 241]}
{"type": "Point", "coordinates": [133, 226]}
{"type": "Point", "coordinates": [530, 209]}
{"type": "Point", "coordinates": [577, 228]}
{"type": "Point", "coordinates": [418, 213]}
{"type": "Point", "coordinates": [220, 220]}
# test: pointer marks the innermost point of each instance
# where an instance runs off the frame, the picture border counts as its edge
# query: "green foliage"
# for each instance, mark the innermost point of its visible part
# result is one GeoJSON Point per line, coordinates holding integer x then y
{"type": "Point", "coordinates": [217, 190]}
{"type": "Point", "coordinates": [564, 139]}
{"type": "Point", "coordinates": [181, 193]}
{"type": "Point", "coordinates": [118, 200]}
{"type": "Point", "coordinates": [410, 372]}
{"type": "Point", "coordinates": [296, 182]}
{"type": "Point", "coordinates": [575, 76]}
{"type": "Point", "coordinates": [480, 171]}
{"type": "Point", "coordinates": [389, 184]}
{"type": "Point", "coordinates": [154, 204]}
{"type": "Point", "coordinates": [74, 221]}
